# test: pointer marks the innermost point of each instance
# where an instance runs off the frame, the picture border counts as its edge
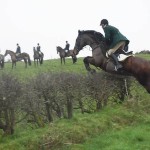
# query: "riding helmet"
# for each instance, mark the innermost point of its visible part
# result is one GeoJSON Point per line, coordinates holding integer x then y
{"type": "Point", "coordinates": [104, 21]}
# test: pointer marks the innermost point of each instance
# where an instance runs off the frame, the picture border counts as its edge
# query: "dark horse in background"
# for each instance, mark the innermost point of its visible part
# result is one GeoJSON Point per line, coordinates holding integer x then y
{"type": "Point", "coordinates": [134, 66]}
{"type": "Point", "coordinates": [2, 59]}
{"type": "Point", "coordinates": [38, 57]}
{"type": "Point", "coordinates": [22, 56]}
{"type": "Point", "coordinates": [63, 54]}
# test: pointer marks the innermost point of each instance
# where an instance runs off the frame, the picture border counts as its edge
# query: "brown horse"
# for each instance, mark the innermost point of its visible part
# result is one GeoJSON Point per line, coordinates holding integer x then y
{"type": "Point", "coordinates": [135, 66]}
{"type": "Point", "coordinates": [22, 56]}
{"type": "Point", "coordinates": [37, 56]}
{"type": "Point", "coordinates": [63, 54]}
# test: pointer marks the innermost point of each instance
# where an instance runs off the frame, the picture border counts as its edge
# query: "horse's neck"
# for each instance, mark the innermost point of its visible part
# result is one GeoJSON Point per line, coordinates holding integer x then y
{"type": "Point", "coordinates": [61, 50]}
{"type": "Point", "coordinates": [93, 45]}
{"type": "Point", "coordinates": [11, 53]}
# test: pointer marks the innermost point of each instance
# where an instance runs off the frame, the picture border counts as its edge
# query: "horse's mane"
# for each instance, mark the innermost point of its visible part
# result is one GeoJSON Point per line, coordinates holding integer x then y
{"type": "Point", "coordinates": [59, 47]}
{"type": "Point", "coordinates": [97, 35]}
{"type": "Point", "coordinates": [10, 51]}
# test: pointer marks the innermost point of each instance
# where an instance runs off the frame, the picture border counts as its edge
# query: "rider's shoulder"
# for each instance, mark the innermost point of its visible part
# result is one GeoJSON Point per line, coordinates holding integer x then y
{"type": "Point", "coordinates": [110, 27]}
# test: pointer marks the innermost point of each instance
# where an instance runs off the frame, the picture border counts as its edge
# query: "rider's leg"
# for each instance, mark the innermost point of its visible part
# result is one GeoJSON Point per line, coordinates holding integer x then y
{"type": "Point", "coordinates": [113, 56]}
{"type": "Point", "coordinates": [117, 64]}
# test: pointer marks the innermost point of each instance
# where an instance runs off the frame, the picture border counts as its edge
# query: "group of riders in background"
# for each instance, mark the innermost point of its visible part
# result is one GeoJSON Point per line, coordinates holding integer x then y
{"type": "Point", "coordinates": [38, 49]}
{"type": "Point", "coordinates": [18, 50]}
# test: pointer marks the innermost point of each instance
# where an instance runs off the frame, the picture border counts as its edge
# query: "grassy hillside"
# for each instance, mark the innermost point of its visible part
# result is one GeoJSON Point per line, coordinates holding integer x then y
{"type": "Point", "coordinates": [53, 65]}
{"type": "Point", "coordinates": [123, 126]}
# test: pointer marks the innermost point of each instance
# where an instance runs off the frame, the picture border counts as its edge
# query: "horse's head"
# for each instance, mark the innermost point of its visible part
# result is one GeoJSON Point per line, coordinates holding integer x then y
{"type": "Point", "coordinates": [58, 48]}
{"type": "Point", "coordinates": [88, 37]}
{"type": "Point", "coordinates": [80, 42]}
{"type": "Point", "coordinates": [34, 50]}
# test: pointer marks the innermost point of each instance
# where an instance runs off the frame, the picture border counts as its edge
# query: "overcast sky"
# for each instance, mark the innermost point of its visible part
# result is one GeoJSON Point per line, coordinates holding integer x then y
{"type": "Point", "coordinates": [52, 22]}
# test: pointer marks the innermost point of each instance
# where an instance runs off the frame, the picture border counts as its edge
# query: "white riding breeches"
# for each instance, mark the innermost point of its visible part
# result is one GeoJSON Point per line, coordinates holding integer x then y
{"type": "Point", "coordinates": [119, 45]}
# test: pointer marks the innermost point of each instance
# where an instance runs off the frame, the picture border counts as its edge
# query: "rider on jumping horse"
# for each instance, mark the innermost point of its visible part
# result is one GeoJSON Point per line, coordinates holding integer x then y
{"type": "Point", "coordinates": [115, 40]}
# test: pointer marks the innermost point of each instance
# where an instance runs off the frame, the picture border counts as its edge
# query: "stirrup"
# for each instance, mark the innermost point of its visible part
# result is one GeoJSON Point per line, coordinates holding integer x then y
{"type": "Point", "coordinates": [107, 55]}
{"type": "Point", "coordinates": [118, 67]}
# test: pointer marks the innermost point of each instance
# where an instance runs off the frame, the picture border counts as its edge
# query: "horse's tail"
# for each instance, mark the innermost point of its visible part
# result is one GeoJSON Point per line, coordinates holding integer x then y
{"type": "Point", "coordinates": [29, 60]}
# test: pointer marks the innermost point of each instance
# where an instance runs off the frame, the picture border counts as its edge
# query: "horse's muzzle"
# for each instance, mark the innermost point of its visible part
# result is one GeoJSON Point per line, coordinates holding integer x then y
{"type": "Point", "coordinates": [75, 52]}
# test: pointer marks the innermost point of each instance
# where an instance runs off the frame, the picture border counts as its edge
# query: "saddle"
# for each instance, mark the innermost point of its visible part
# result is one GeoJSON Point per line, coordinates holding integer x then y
{"type": "Point", "coordinates": [18, 56]}
{"type": "Point", "coordinates": [121, 54]}
{"type": "Point", "coordinates": [67, 53]}
{"type": "Point", "coordinates": [120, 51]}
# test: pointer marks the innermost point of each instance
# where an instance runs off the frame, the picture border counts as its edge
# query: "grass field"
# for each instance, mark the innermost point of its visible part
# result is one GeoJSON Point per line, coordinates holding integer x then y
{"type": "Point", "coordinates": [116, 127]}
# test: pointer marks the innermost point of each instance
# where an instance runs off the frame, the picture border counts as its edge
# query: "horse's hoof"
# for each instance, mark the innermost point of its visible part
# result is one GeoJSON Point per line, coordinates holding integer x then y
{"type": "Point", "coordinates": [92, 71]}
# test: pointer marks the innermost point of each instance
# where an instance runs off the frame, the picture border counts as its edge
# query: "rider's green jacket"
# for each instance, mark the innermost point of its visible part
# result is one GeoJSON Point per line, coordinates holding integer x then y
{"type": "Point", "coordinates": [113, 36]}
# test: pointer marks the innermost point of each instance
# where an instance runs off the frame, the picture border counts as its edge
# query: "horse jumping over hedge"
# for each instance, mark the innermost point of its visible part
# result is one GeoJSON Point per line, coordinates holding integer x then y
{"type": "Point", "coordinates": [134, 66]}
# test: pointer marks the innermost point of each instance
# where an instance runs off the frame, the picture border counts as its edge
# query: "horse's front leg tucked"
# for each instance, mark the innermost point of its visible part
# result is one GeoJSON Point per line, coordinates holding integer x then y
{"type": "Point", "coordinates": [89, 60]}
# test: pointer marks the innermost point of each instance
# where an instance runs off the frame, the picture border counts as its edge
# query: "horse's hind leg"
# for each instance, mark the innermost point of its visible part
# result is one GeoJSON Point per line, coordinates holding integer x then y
{"type": "Point", "coordinates": [61, 60]}
{"type": "Point", "coordinates": [2, 64]}
{"type": "Point", "coordinates": [25, 61]}
{"type": "Point", "coordinates": [13, 65]}
{"type": "Point", "coordinates": [37, 63]}
{"type": "Point", "coordinates": [34, 63]}
{"type": "Point", "coordinates": [64, 60]}
{"type": "Point", "coordinates": [87, 61]}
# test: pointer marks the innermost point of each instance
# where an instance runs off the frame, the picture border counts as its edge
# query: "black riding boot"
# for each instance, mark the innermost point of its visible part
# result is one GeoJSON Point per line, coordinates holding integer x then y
{"type": "Point", "coordinates": [117, 64]}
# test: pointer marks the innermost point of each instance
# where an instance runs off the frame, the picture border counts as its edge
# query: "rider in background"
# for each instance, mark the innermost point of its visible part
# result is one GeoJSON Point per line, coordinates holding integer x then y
{"type": "Point", "coordinates": [18, 50]}
{"type": "Point", "coordinates": [38, 48]}
{"type": "Point", "coordinates": [115, 40]}
{"type": "Point", "coordinates": [67, 47]}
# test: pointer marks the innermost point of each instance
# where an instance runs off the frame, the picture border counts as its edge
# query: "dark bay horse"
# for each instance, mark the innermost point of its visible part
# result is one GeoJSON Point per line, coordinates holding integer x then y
{"type": "Point", "coordinates": [2, 58]}
{"type": "Point", "coordinates": [134, 66]}
{"type": "Point", "coordinates": [38, 57]}
{"type": "Point", "coordinates": [63, 54]}
{"type": "Point", "coordinates": [22, 56]}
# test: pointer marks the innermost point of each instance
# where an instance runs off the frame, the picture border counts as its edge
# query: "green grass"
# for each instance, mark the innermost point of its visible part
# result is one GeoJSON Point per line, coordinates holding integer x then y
{"type": "Point", "coordinates": [53, 65]}
{"type": "Point", "coordinates": [128, 138]}
{"type": "Point", "coordinates": [115, 127]}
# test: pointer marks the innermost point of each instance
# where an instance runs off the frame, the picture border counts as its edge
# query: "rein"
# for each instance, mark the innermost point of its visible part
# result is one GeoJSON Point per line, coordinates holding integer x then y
{"type": "Point", "coordinates": [96, 47]}
{"type": "Point", "coordinates": [101, 45]}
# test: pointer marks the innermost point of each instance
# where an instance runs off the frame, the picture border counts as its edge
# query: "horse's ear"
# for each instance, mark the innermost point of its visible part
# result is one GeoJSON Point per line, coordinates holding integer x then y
{"type": "Point", "coordinates": [79, 31]}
